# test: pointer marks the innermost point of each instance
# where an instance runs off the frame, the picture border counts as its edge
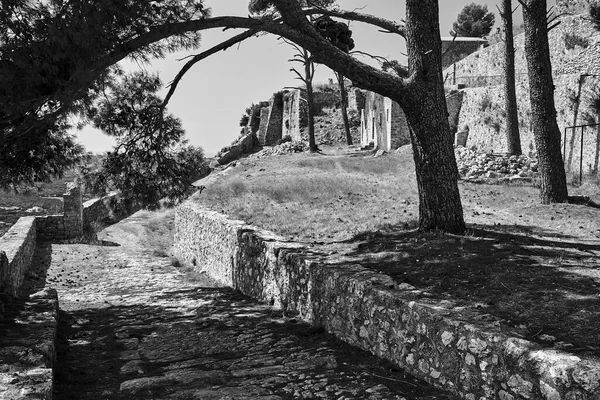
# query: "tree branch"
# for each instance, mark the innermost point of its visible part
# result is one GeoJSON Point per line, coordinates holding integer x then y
{"type": "Point", "coordinates": [387, 25]}
{"type": "Point", "coordinates": [199, 57]}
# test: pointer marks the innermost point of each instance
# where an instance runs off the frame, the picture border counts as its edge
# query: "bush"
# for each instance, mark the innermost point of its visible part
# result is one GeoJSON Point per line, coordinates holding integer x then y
{"type": "Point", "coordinates": [572, 41]}
{"type": "Point", "coordinates": [595, 15]}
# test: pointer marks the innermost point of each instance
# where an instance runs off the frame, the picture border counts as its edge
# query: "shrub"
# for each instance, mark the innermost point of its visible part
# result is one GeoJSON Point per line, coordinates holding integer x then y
{"type": "Point", "coordinates": [485, 103]}
{"type": "Point", "coordinates": [595, 15]}
{"type": "Point", "coordinates": [573, 40]}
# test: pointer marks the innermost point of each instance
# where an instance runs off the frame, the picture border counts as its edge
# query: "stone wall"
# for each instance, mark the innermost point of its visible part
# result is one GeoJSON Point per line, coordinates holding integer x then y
{"type": "Point", "coordinates": [367, 309]}
{"type": "Point", "coordinates": [482, 111]}
{"type": "Point", "coordinates": [295, 114]}
{"type": "Point", "coordinates": [383, 123]}
{"type": "Point", "coordinates": [18, 246]}
{"type": "Point", "coordinates": [455, 49]}
{"type": "Point", "coordinates": [356, 99]}
{"type": "Point", "coordinates": [264, 124]}
{"type": "Point", "coordinates": [489, 61]}
{"type": "Point", "coordinates": [275, 122]}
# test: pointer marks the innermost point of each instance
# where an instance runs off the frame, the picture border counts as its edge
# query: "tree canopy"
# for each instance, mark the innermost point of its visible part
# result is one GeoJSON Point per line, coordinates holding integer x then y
{"type": "Point", "coordinates": [473, 21]}
{"type": "Point", "coordinates": [151, 164]}
{"type": "Point", "coordinates": [65, 78]}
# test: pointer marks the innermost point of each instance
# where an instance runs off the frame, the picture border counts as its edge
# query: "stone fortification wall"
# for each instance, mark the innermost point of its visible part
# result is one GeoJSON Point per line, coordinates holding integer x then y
{"type": "Point", "coordinates": [356, 99]}
{"type": "Point", "coordinates": [383, 123]}
{"type": "Point", "coordinates": [573, 6]}
{"type": "Point", "coordinates": [275, 120]}
{"type": "Point", "coordinates": [369, 310]}
{"type": "Point", "coordinates": [16, 252]}
{"type": "Point", "coordinates": [482, 111]}
{"type": "Point", "coordinates": [295, 114]}
{"type": "Point", "coordinates": [489, 61]}
{"type": "Point", "coordinates": [264, 124]}
{"type": "Point", "coordinates": [455, 49]}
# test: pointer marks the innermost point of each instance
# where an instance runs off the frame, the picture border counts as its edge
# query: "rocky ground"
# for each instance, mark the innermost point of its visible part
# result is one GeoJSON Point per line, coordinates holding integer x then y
{"type": "Point", "coordinates": [136, 325]}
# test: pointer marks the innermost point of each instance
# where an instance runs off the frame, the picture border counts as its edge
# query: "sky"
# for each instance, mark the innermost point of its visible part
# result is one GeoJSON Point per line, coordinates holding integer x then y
{"type": "Point", "coordinates": [213, 95]}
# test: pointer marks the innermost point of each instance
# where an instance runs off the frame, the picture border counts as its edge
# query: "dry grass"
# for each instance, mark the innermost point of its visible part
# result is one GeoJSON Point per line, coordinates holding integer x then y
{"type": "Point", "coordinates": [534, 267]}
{"type": "Point", "coordinates": [316, 197]}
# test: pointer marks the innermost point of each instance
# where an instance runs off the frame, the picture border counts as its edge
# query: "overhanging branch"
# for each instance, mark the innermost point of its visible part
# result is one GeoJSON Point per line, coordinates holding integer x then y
{"type": "Point", "coordinates": [199, 57]}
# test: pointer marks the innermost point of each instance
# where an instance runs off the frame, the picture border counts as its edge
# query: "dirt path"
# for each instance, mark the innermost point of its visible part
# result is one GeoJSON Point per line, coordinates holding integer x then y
{"type": "Point", "coordinates": [135, 326]}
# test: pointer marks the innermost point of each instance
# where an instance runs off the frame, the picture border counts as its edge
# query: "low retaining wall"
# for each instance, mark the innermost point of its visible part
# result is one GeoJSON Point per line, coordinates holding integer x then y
{"type": "Point", "coordinates": [18, 244]}
{"type": "Point", "coordinates": [429, 339]}
{"type": "Point", "coordinates": [17, 248]}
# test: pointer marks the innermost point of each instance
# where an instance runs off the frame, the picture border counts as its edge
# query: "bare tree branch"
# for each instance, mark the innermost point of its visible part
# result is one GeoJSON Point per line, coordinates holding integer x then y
{"type": "Point", "coordinates": [199, 57]}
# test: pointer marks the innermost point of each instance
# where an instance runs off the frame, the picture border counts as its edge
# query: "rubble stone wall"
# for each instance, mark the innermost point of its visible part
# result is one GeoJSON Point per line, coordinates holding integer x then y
{"type": "Point", "coordinates": [369, 310]}
{"type": "Point", "coordinates": [482, 111]}
{"type": "Point", "coordinates": [18, 246]}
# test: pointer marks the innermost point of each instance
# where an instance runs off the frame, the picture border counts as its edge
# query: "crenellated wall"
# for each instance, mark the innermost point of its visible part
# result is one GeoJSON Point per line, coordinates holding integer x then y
{"type": "Point", "coordinates": [430, 339]}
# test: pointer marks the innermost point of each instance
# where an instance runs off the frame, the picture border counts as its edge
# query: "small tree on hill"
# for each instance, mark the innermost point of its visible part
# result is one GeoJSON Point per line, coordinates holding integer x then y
{"type": "Point", "coordinates": [473, 21]}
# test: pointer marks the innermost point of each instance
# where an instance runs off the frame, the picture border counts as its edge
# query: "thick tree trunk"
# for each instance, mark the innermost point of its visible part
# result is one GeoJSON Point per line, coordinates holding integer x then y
{"type": "Point", "coordinates": [427, 114]}
{"type": "Point", "coordinates": [553, 182]}
{"type": "Point", "coordinates": [344, 107]}
{"type": "Point", "coordinates": [513, 138]}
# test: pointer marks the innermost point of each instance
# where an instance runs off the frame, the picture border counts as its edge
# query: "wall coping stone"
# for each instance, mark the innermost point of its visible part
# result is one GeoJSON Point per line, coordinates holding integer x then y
{"type": "Point", "coordinates": [455, 349]}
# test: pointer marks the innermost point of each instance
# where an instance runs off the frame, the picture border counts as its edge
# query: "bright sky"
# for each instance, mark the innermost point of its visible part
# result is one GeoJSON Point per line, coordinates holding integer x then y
{"type": "Point", "coordinates": [214, 94]}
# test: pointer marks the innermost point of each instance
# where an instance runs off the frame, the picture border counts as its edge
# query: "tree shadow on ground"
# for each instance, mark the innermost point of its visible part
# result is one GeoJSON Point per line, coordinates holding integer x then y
{"type": "Point", "coordinates": [545, 286]}
{"type": "Point", "coordinates": [224, 345]}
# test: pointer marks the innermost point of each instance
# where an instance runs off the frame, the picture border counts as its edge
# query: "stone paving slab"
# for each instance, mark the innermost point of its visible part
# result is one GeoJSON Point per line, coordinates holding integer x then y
{"type": "Point", "coordinates": [135, 326]}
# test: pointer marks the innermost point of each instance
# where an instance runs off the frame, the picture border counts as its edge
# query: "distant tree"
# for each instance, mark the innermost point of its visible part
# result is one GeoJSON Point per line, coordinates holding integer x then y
{"type": "Point", "coordinates": [151, 164]}
{"type": "Point", "coordinates": [553, 181]}
{"type": "Point", "coordinates": [473, 21]}
{"type": "Point", "coordinates": [340, 35]}
{"type": "Point", "coordinates": [513, 137]}
{"type": "Point", "coordinates": [244, 120]}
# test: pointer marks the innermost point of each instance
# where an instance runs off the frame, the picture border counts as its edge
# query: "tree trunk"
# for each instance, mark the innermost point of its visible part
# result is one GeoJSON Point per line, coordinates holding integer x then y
{"type": "Point", "coordinates": [553, 182]}
{"type": "Point", "coordinates": [427, 115]}
{"type": "Point", "coordinates": [310, 99]}
{"type": "Point", "coordinates": [576, 105]}
{"type": "Point", "coordinates": [513, 138]}
{"type": "Point", "coordinates": [344, 107]}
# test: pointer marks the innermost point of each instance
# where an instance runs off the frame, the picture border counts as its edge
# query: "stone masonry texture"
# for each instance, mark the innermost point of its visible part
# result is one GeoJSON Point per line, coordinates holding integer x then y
{"type": "Point", "coordinates": [18, 244]}
{"type": "Point", "coordinates": [366, 309]}
{"type": "Point", "coordinates": [274, 126]}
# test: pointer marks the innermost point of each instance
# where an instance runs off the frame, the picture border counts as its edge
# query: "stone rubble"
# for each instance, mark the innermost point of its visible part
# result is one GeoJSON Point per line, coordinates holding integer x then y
{"type": "Point", "coordinates": [281, 149]}
{"type": "Point", "coordinates": [478, 167]}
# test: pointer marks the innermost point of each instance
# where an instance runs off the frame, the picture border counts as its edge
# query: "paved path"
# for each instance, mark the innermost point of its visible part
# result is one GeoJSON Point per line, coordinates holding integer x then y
{"type": "Point", "coordinates": [135, 326]}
